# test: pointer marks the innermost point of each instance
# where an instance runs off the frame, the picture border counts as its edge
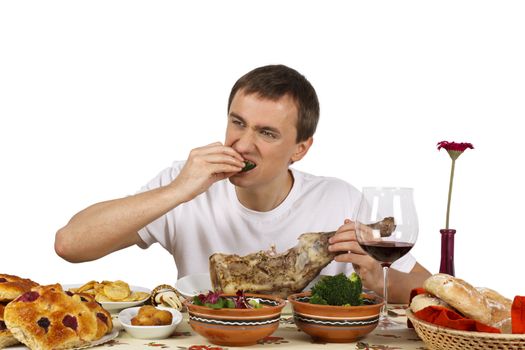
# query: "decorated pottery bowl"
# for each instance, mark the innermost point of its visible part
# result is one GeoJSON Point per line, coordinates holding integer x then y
{"type": "Point", "coordinates": [237, 327]}
{"type": "Point", "coordinates": [335, 324]}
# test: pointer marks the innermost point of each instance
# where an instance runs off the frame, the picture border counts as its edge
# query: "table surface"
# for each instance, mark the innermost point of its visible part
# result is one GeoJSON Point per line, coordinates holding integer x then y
{"type": "Point", "coordinates": [287, 336]}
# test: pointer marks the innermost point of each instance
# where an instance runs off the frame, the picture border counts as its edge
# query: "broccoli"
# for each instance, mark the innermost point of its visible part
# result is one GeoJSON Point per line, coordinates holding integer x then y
{"type": "Point", "coordinates": [316, 299]}
{"type": "Point", "coordinates": [338, 290]}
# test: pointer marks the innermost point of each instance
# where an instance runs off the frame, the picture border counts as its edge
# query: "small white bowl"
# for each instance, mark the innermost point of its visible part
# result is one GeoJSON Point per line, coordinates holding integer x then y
{"type": "Point", "coordinates": [148, 332]}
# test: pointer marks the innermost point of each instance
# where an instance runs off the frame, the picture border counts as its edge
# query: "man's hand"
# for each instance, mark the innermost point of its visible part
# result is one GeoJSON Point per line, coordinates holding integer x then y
{"type": "Point", "coordinates": [205, 166]}
{"type": "Point", "coordinates": [345, 242]}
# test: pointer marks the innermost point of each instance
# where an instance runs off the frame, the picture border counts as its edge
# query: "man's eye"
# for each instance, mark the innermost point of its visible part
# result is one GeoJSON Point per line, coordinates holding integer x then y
{"type": "Point", "coordinates": [237, 122]}
{"type": "Point", "coordinates": [269, 134]}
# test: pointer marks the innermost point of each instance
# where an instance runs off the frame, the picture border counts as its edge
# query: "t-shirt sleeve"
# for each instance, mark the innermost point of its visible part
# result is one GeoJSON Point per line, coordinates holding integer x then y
{"type": "Point", "coordinates": [159, 230]}
{"type": "Point", "coordinates": [404, 264]}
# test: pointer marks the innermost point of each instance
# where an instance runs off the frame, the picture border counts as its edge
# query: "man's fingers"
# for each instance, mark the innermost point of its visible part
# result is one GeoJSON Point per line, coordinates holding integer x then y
{"type": "Point", "coordinates": [224, 159]}
{"type": "Point", "coordinates": [218, 148]}
{"type": "Point", "coordinates": [351, 246]}
{"type": "Point", "coordinates": [356, 259]}
{"type": "Point", "coordinates": [224, 169]}
{"type": "Point", "coordinates": [342, 237]}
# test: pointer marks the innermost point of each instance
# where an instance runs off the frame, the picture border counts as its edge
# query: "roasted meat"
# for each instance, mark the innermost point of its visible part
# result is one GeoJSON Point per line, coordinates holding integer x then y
{"type": "Point", "coordinates": [269, 273]}
{"type": "Point", "coordinates": [386, 226]}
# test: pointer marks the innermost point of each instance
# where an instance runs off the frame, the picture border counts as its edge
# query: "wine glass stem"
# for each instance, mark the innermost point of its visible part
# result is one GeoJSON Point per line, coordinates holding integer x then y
{"type": "Point", "coordinates": [384, 311]}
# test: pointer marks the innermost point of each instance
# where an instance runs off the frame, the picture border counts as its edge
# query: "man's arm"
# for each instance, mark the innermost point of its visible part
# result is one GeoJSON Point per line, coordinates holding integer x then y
{"type": "Point", "coordinates": [113, 225]}
{"type": "Point", "coordinates": [399, 283]}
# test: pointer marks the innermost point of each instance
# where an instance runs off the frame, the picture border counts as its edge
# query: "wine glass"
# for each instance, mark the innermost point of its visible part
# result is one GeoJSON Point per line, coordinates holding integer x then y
{"type": "Point", "coordinates": [386, 228]}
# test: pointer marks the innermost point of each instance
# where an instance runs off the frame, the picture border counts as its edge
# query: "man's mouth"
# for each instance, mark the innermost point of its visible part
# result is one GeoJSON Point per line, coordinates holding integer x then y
{"type": "Point", "coordinates": [248, 165]}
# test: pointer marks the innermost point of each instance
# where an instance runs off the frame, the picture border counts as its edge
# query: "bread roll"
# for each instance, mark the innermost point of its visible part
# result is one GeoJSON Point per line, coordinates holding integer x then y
{"type": "Point", "coordinates": [421, 301]}
{"type": "Point", "coordinates": [499, 305]}
{"type": "Point", "coordinates": [6, 337]}
{"type": "Point", "coordinates": [12, 286]}
{"type": "Point", "coordinates": [460, 295]}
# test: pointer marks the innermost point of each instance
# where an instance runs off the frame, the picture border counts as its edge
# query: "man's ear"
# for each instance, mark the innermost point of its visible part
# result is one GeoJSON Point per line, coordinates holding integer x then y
{"type": "Point", "coordinates": [301, 149]}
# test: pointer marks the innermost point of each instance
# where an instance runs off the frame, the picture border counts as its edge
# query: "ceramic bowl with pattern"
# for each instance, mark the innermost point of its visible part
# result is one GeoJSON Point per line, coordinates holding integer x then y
{"type": "Point", "coordinates": [335, 324]}
{"type": "Point", "coordinates": [237, 327]}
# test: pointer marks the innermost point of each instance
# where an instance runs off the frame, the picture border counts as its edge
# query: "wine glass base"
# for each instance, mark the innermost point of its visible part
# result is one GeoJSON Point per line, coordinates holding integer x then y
{"type": "Point", "coordinates": [386, 323]}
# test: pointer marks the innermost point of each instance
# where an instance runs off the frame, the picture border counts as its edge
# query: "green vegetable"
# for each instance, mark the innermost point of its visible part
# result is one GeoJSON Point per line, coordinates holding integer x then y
{"type": "Point", "coordinates": [197, 301]}
{"type": "Point", "coordinates": [247, 166]}
{"type": "Point", "coordinates": [229, 304]}
{"type": "Point", "coordinates": [254, 303]}
{"type": "Point", "coordinates": [316, 299]}
{"type": "Point", "coordinates": [338, 290]}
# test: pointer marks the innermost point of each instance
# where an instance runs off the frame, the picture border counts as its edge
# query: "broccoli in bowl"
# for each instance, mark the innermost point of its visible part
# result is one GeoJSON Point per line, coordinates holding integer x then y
{"type": "Point", "coordinates": [336, 310]}
{"type": "Point", "coordinates": [338, 290]}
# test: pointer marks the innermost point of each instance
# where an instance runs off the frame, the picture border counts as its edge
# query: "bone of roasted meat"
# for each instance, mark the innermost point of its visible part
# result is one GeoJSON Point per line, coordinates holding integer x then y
{"type": "Point", "coordinates": [265, 272]}
{"type": "Point", "coordinates": [386, 226]}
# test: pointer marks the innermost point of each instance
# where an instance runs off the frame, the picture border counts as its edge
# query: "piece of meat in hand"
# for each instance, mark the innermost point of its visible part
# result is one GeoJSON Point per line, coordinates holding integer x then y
{"type": "Point", "coordinates": [266, 272]}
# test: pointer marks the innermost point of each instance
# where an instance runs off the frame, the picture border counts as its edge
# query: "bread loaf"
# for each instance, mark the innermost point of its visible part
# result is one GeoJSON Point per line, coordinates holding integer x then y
{"type": "Point", "coordinates": [460, 295]}
{"type": "Point", "coordinates": [48, 318]}
{"type": "Point", "coordinates": [499, 305]}
{"type": "Point", "coordinates": [421, 301]}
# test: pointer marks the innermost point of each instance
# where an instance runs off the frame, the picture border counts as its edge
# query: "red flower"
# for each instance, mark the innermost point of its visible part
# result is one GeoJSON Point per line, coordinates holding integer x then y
{"type": "Point", "coordinates": [454, 150]}
{"type": "Point", "coordinates": [454, 146]}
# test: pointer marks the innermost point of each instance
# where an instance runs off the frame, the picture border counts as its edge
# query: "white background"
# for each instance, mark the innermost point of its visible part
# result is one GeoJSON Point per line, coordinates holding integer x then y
{"type": "Point", "coordinates": [96, 97]}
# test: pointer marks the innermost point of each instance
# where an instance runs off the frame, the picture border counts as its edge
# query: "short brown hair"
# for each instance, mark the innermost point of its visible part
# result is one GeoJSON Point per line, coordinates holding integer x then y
{"type": "Point", "coordinates": [275, 81]}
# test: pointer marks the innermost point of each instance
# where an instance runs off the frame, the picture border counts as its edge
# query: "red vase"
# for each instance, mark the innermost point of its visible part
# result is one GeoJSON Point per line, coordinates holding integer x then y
{"type": "Point", "coordinates": [447, 251]}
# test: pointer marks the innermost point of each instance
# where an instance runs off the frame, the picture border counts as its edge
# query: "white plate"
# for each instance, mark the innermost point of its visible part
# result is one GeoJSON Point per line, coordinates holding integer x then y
{"type": "Point", "coordinates": [104, 339]}
{"type": "Point", "coordinates": [192, 285]}
{"type": "Point", "coordinates": [148, 332]}
{"type": "Point", "coordinates": [115, 306]}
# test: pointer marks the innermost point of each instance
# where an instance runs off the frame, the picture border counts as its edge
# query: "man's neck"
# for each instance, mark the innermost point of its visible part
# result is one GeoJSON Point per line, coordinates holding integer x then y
{"type": "Point", "coordinates": [268, 197]}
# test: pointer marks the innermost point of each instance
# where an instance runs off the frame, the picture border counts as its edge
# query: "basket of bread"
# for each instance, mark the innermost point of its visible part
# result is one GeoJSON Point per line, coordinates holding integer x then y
{"type": "Point", "coordinates": [449, 313]}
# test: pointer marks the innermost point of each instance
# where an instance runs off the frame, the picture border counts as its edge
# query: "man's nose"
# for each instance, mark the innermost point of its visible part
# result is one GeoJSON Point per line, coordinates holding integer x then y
{"type": "Point", "coordinates": [245, 142]}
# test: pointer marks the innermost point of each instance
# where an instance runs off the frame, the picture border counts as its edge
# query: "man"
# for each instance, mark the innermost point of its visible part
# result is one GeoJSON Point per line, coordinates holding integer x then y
{"type": "Point", "coordinates": [207, 204]}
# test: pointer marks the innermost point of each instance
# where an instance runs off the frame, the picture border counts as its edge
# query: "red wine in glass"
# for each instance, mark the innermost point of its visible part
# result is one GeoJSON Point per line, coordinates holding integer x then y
{"type": "Point", "coordinates": [386, 229]}
{"type": "Point", "coordinates": [386, 252]}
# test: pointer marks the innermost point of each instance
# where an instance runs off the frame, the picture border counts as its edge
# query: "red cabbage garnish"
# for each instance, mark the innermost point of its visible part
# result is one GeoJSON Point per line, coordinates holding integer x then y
{"type": "Point", "coordinates": [240, 301]}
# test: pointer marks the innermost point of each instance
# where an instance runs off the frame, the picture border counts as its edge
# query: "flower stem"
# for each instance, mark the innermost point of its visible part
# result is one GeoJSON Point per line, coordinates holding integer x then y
{"type": "Point", "coordinates": [450, 191]}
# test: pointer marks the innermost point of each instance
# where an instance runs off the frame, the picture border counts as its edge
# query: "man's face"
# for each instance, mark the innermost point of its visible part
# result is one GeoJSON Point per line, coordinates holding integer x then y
{"type": "Point", "coordinates": [264, 132]}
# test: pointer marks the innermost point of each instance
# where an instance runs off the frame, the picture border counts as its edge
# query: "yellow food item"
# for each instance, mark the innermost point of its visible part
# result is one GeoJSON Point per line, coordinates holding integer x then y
{"type": "Point", "coordinates": [110, 291]}
{"type": "Point", "coordinates": [151, 316]}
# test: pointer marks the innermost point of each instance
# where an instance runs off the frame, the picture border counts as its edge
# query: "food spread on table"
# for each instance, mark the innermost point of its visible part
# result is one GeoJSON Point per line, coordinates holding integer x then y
{"type": "Point", "coordinates": [50, 317]}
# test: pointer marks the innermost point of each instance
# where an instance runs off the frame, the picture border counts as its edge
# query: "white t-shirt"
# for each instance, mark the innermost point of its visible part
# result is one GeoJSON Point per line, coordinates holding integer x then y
{"type": "Point", "coordinates": [216, 222]}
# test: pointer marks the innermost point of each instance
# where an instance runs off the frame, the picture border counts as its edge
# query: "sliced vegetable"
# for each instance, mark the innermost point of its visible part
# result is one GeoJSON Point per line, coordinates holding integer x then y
{"type": "Point", "coordinates": [248, 166]}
